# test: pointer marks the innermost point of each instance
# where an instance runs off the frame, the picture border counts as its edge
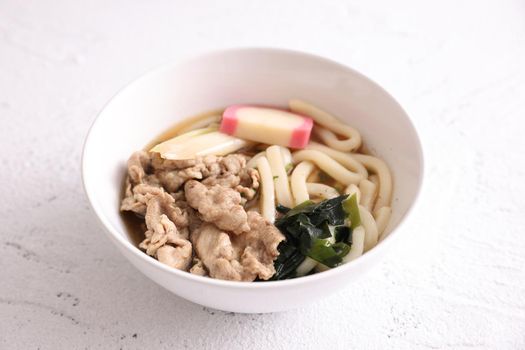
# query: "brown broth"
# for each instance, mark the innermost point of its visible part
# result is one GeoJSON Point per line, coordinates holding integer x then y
{"type": "Point", "coordinates": [175, 130]}
{"type": "Point", "coordinates": [135, 226]}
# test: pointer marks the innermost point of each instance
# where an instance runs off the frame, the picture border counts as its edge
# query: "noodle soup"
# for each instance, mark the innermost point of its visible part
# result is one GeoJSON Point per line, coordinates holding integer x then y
{"type": "Point", "coordinates": [239, 204]}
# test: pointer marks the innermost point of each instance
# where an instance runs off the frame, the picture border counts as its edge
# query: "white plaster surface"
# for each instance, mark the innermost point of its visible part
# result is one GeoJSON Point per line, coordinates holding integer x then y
{"type": "Point", "coordinates": [456, 282]}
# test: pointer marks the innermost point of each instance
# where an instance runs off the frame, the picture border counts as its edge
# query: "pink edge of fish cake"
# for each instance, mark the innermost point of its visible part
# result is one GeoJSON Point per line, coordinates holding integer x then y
{"type": "Point", "coordinates": [301, 135]}
{"type": "Point", "coordinates": [229, 120]}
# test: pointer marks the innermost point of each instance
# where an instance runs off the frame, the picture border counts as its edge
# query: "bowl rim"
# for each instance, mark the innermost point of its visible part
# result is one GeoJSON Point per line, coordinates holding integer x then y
{"type": "Point", "coordinates": [117, 238]}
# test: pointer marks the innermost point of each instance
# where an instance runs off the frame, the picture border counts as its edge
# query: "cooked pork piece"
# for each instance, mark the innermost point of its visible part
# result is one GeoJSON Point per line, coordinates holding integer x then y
{"type": "Point", "coordinates": [198, 268]}
{"type": "Point", "coordinates": [259, 246]}
{"type": "Point", "coordinates": [215, 250]}
{"type": "Point", "coordinates": [176, 256]}
{"type": "Point", "coordinates": [167, 233]}
{"type": "Point", "coordinates": [202, 198]}
{"type": "Point", "coordinates": [232, 164]}
{"type": "Point", "coordinates": [228, 180]}
{"type": "Point", "coordinates": [136, 197]}
{"type": "Point", "coordinates": [173, 174]}
{"type": "Point", "coordinates": [163, 240]}
{"type": "Point", "coordinates": [219, 205]}
{"type": "Point", "coordinates": [138, 166]}
{"type": "Point", "coordinates": [246, 182]}
{"type": "Point", "coordinates": [165, 203]}
{"type": "Point", "coordinates": [243, 257]}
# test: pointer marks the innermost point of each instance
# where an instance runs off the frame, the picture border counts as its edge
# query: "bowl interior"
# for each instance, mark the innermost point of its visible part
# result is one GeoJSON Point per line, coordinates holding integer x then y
{"type": "Point", "coordinates": [159, 99]}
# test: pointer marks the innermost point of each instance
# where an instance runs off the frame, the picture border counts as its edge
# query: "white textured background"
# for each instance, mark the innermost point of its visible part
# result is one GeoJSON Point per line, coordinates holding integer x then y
{"type": "Point", "coordinates": [458, 67]}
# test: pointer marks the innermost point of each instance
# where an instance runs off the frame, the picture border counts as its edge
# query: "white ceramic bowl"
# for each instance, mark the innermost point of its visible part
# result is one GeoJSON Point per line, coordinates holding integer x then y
{"type": "Point", "coordinates": [157, 100]}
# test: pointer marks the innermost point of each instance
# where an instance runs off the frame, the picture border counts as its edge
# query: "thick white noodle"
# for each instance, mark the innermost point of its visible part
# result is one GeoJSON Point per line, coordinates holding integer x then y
{"type": "Point", "coordinates": [328, 165]}
{"type": "Point", "coordinates": [267, 189]}
{"type": "Point", "coordinates": [344, 158]}
{"type": "Point", "coordinates": [369, 224]}
{"type": "Point", "coordinates": [351, 189]}
{"type": "Point", "coordinates": [252, 163]}
{"type": "Point", "coordinates": [353, 138]}
{"type": "Point", "coordinates": [298, 181]}
{"type": "Point", "coordinates": [368, 194]}
{"type": "Point", "coordinates": [380, 168]}
{"type": "Point", "coordinates": [306, 266]}
{"type": "Point", "coordinates": [321, 191]}
{"type": "Point", "coordinates": [287, 155]}
{"type": "Point", "coordinates": [358, 244]}
{"type": "Point", "coordinates": [382, 216]}
{"type": "Point", "coordinates": [330, 138]}
{"type": "Point", "coordinates": [201, 123]}
{"type": "Point", "coordinates": [280, 178]}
